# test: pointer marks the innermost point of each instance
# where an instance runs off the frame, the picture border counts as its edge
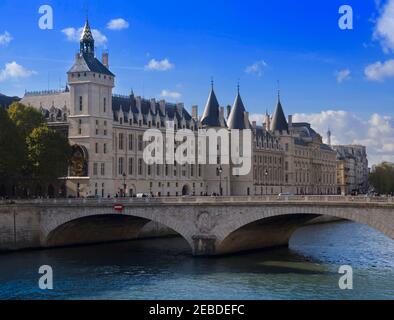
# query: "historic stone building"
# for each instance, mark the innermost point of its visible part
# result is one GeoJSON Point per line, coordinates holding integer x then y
{"type": "Point", "coordinates": [106, 132]}
{"type": "Point", "coordinates": [352, 169]}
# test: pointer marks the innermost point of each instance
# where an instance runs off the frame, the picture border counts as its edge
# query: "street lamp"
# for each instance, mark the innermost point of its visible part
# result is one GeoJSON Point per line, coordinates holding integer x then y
{"type": "Point", "coordinates": [124, 184]}
{"type": "Point", "coordinates": [266, 181]}
{"type": "Point", "coordinates": [220, 171]}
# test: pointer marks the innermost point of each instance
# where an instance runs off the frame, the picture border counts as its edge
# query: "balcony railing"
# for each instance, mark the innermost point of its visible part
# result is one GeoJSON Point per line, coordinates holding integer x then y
{"type": "Point", "coordinates": [207, 200]}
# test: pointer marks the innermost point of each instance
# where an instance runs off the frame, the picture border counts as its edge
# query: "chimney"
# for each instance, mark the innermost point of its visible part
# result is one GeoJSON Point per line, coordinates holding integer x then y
{"type": "Point", "coordinates": [246, 119]}
{"type": "Point", "coordinates": [105, 60]}
{"type": "Point", "coordinates": [267, 122]}
{"type": "Point", "coordinates": [228, 111]}
{"type": "Point", "coordinates": [290, 121]}
{"type": "Point", "coordinates": [77, 55]}
{"type": "Point", "coordinates": [254, 123]}
{"type": "Point", "coordinates": [195, 112]}
{"type": "Point", "coordinates": [221, 114]}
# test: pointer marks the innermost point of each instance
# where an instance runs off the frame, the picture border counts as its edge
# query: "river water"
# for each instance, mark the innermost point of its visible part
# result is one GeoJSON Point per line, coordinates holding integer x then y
{"type": "Point", "coordinates": [164, 269]}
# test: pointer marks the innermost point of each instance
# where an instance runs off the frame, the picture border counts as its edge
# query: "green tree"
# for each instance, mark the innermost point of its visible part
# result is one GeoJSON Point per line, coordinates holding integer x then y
{"type": "Point", "coordinates": [25, 118]}
{"type": "Point", "coordinates": [12, 148]}
{"type": "Point", "coordinates": [382, 178]}
{"type": "Point", "coordinates": [49, 154]}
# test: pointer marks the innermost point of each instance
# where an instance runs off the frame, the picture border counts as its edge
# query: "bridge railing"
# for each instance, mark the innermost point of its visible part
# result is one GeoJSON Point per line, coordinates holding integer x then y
{"type": "Point", "coordinates": [201, 200]}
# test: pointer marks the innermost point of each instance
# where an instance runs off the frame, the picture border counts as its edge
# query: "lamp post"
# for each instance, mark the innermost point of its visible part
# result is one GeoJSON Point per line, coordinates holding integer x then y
{"type": "Point", "coordinates": [266, 181]}
{"type": "Point", "coordinates": [124, 185]}
{"type": "Point", "coordinates": [220, 171]}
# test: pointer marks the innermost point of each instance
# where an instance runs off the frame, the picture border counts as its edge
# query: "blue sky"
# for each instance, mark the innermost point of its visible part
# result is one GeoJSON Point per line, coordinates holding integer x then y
{"type": "Point", "coordinates": [296, 42]}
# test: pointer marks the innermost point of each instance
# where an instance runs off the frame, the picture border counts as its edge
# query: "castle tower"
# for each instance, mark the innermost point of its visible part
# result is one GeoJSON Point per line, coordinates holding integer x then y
{"type": "Point", "coordinates": [91, 117]}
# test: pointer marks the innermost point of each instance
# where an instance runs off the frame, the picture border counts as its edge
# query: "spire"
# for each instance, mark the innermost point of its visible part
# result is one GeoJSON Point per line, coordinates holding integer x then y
{"type": "Point", "coordinates": [87, 41]}
{"type": "Point", "coordinates": [279, 122]}
{"type": "Point", "coordinates": [210, 117]}
{"type": "Point", "coordinates": [329, 137]}
{"type": "Point", "coordinates": [237, 120]}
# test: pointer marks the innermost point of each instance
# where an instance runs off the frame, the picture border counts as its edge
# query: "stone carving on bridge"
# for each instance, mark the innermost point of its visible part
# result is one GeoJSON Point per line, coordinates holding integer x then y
{"type": "Point", "coordinates": [205, 223]}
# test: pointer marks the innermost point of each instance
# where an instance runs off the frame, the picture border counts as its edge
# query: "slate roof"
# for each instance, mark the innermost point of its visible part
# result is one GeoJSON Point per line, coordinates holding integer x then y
{"type": "Point", "coordinates": [237, 120]}
{"type": "Point", "coordinates": [130, 106]}
{"type": "Point", "coordinates": [210, 117]}
{"type": "Point", "coordinates": [89, 63]}
{"type": "Point", "coordinates": [279, 122]}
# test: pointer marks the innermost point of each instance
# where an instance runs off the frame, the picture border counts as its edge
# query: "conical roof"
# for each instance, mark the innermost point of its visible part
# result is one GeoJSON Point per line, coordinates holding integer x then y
{"type": "Point", "coordinates": [86, 35]}
{"type": "Point", "coordinates": [236, 120]}
{"type": "Point", "coordinates": [279, 122]}
{"type": "Point", "coordinates": [210, 117]}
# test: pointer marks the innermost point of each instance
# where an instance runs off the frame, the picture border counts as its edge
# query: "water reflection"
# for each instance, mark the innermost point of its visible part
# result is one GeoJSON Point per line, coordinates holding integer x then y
{"type": "Point", "coordinates": [164, 269]}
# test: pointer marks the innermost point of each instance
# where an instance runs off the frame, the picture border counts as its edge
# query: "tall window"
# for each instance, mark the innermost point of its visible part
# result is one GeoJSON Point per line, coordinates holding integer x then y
{"type": "Point", "coordinates": [97, 148]}
{"type": "Point", "coordinates": [121, 166]}
{"type": "Point", "coordinates": [80, 103]}
{"type": "Point", "coordinates": [131, 166]}
{"type": "Point", "coordinates": [105, 148]}
{"type": "Point", "coordinates": [121, 141]}
{"type": "Point", "coordinates": [95, 169]}
{"type": "Point", "coordinates": [103, 169]}
{"type": "Point", "coordinates": [140, 143]}
{"type": "Point", "coordinates": [131, 137]}
{"type": "Point", "coordinates": [105, 105]}
{"type": "Point", "coordinates": [140, 167]}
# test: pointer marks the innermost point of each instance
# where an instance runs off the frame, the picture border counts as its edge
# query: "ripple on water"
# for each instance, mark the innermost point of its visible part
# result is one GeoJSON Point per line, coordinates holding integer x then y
{"type": "Point", "coordinates": [163, 269]}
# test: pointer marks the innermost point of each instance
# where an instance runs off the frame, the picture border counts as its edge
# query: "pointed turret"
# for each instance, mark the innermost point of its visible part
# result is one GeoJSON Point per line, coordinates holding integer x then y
{"type": "Point", "coordinates": [279, 122]}
{"type": "Point", "coordinates": [237, 119]}
{"type": "Point", "coordinates": [87, 40]}
{"type": "Point", "coordinates": [210, 117]}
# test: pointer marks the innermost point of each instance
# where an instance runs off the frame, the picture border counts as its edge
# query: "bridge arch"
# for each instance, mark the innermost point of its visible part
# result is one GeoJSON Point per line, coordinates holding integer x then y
{"type": "Point", "coordinates": [82, 226]}
{"type": "Point", "coordinates": [258, 227]}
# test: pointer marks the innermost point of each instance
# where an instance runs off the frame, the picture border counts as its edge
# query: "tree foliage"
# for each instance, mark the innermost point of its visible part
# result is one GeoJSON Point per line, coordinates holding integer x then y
{"type": "Point", "coordinates": [25, 118]}
{"type": "Point", "coordinates": [12, 148]}
{"type": "Point", "coordinates": [30, 152]}
{"type": "Point", "coordinates": [48, 154]}
{"type": "Point", "coordinates": [382, 178]}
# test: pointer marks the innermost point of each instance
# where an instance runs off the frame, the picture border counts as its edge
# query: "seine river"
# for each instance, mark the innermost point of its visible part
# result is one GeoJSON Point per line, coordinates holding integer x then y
{"type": "Point", "coordinates": [164, 269]}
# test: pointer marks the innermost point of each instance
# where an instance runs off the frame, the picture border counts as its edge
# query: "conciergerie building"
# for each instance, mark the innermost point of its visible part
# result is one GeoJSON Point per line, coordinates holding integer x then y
{"type": "Point", "coordinates": [106, 133]}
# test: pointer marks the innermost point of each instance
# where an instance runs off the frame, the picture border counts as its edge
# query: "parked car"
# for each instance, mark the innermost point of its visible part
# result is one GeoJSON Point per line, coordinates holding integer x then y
{"type": "Point", "coordinates": [286, 194]}
{"type": "Point", "coordinates": [143, 195]}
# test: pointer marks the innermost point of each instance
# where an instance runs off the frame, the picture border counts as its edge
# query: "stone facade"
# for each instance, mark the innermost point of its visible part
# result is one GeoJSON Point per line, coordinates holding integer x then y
{"type": "Point", "coordinates": [352, 169]}
{"type": "Point", "coordinates": [106, 133]}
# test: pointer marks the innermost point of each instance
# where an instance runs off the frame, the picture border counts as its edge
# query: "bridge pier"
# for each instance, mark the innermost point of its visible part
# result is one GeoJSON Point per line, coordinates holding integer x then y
{"type": "Point", "coordinates": [204, 245]}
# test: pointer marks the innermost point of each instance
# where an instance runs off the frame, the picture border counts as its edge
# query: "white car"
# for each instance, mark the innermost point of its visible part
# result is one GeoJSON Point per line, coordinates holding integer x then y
{"type": "Point", "coordinates": [286, 194]}
{"type": "Point", "coordinates": [143, 195]}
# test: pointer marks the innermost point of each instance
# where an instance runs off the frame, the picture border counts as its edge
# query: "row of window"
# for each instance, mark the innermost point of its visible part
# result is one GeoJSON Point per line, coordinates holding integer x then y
{"type": "Point", "coordinates": [81, 104]}
{"type": "Point", "coordinates": [157, 170]}
{"type": "Point", "coordinates": [96, 167]}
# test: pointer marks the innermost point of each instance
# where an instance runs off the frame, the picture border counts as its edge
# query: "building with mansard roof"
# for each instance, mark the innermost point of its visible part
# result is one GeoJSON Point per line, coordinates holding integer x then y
{"type": "Point", "coordinates": [106, 133]}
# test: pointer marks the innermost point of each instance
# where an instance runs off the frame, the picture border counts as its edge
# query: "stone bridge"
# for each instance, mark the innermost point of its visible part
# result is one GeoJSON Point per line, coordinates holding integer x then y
{"type": "Point", "coordinates": [211, 226]}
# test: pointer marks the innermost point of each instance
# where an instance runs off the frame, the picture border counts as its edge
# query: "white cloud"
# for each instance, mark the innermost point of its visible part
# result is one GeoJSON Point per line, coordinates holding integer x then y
{"type": "Point", "coordinates": [256, 68]}
{"type": "Point", "coordinates": [376, 132]}
{"type": "Point", "coordinates": [343, 75]}
{"type": "Point", "coordinates": [5, 39]}
{"type": "Point", "coordinates": [379, 71]}
{"type": "Point", "coordinates": [170, 94]}
{"type": "Point", "coordinates": [74, 35]}
{"type": "Point", "coordinates": [118, 24]}
{"type": "Point", "coordinates": [13, 70]}
{"type": "Point", "coordinates": [163, 65]}
{"type": "Point", "coordinates": [384, 29]}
